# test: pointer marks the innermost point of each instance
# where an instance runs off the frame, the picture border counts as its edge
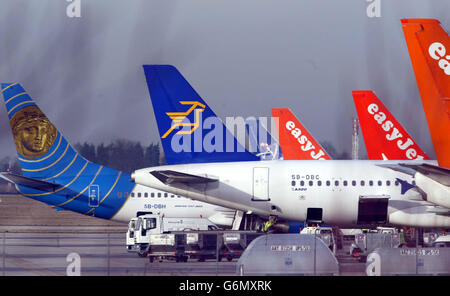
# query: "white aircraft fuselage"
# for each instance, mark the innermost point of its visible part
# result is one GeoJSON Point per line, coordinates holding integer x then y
{"type": "Point", "coordinates": [150, 200]}
{"type": "Point", "coordinates": [343, 192]}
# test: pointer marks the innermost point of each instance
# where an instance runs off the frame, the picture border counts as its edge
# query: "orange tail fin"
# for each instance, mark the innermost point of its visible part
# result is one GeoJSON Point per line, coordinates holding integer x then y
{"type": "Point", "coordinates": [384, 137]}
{"type": "Point", "coordinates": [295, 141]}
{"type": "Point", "coordinates": [429, 49]}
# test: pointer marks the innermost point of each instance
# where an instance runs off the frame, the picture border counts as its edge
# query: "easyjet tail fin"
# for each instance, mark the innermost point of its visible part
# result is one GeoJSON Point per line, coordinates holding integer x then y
{"type": "Point", "coordinates": [295, 141]}
{"type": "Point", "coordinates": [429, 49]}
{"type": "Point", "coordinates": [383, 135]}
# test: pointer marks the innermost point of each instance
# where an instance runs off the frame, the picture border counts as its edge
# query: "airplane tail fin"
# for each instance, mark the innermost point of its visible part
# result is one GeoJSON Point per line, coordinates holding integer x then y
{"type": "Point", "coordinates": [295, 140]}
{"type": "Point", "coordinates": [53, 171]}
{"type": "Point", "coordinates": [383, 135]}
{"type": "Point", "coordinates": [429, 49]}
{"type": "Point", "coordinates": [42, 150]}
{"type": "Point", "coordinates": [190, 131]}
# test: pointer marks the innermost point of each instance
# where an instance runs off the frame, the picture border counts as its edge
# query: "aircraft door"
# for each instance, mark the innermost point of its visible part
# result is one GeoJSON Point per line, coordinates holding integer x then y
{"type": "Point", "coordinates": [261, 184]}
{"type": "Point", "coordinates": [94, 196]}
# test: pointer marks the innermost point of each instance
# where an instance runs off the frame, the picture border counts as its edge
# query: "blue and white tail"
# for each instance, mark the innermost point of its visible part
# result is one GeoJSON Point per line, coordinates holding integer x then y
{"type": "Point", "coordinates": [190, 131]}
{"type": "Point", "coordinates": [46, 156]}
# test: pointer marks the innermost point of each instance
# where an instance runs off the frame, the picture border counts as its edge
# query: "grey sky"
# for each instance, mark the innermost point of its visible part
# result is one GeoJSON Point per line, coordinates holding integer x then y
{"type": "Point", "coordinates": [242, 56]}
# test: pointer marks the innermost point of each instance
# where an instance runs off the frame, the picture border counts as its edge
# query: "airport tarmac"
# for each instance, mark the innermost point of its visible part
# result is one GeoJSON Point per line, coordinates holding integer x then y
{"type": "Point", "coordinates": [102, 253]}
{"type": "Point", "coordinates": [37, 240]}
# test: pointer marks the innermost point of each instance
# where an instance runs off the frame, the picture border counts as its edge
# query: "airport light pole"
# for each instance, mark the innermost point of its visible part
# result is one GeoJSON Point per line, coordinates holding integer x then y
{"type": "Point", "coordinates": [3, 253]}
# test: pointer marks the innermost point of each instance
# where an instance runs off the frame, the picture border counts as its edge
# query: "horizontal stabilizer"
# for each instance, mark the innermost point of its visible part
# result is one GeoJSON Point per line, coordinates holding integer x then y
{"type": "Point", "coordinates": [168, 177]}
{"type": "Point", "coordinates": [28, 182]}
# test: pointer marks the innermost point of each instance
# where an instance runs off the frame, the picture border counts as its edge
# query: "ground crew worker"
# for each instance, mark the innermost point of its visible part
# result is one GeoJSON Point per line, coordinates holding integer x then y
{"type": "Point", "coordinates": [268, 226]}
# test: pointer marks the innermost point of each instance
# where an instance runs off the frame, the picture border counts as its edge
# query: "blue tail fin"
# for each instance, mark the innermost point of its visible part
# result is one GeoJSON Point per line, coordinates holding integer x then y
{"type": "Point", "coordinates": [45, 155]}
{"type": "Point", "coordinates": [190, 131]}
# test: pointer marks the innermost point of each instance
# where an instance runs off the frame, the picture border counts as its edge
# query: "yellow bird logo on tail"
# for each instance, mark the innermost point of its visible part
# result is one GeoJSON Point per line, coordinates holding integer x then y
{"type": "Point", "coordinates": [178, 117]}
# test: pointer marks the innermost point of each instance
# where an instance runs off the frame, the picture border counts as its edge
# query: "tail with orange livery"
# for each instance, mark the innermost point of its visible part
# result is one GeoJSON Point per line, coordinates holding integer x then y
{"type": "Point", "coordinates": [383, 135]}
{"type": "Point", "coordinates": [429, 49]}
{"type": "Point", "coordinates": [295, 141]}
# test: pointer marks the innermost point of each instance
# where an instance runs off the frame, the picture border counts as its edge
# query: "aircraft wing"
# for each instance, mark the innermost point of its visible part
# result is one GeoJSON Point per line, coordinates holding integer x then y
{"type": "Point", "coordinates": [168, 177]}
{"type": "Point", "coordinates": [28, 182]}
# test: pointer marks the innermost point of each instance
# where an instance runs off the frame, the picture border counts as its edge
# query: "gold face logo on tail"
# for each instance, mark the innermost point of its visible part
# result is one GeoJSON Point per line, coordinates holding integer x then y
{"type": "Point", "coordinates": [178, 117]}
{"type": "Point", "coordinates": [33, 133]}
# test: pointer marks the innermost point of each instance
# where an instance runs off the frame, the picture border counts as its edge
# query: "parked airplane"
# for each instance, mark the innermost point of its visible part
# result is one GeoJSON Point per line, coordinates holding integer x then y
{"type": "Point", "coordinates": [345, 193]}
{"type": "Point", "coordinates": [384, 136]}
{"type": "Point", "coordinates": [56, 174]}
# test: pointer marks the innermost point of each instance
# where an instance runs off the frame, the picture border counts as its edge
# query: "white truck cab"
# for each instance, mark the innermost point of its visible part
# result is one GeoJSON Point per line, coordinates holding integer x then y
{"type": "Point", "coordinates": [153, 231]}
{"type": "Point", "coordinates": [131, 246]}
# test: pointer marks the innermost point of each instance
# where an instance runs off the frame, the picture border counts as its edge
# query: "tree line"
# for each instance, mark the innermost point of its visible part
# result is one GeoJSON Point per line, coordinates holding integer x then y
{"type": "Point", "coordinates": [123, 155]}
{"type": "Point", "coordinates": [127, 156]}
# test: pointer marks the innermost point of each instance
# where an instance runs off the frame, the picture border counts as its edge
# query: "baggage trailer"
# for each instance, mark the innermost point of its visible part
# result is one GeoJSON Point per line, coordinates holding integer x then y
{"type": "Point", "coordinates": [235, 243]}
{"type": "Point", "coordinates": [367, 242]}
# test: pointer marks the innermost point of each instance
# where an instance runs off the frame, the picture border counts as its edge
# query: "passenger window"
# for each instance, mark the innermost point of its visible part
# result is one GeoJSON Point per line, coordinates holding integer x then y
{"type": "Point", "coordinates": [293, 183]}
{"type": "Point", "coordinates": [328, 183]}
{"type": "Point", "coordinates": [336, 183]}
{"type": "Point", "coordinates": [132, 194]}
{"type": "Point", "coordinates": [388, 183]}
{"type": "Point", "coordinates": [396, 183]}
{"type": "Point", "coordinates": [172, 196]}
{"type": "Point", "coordinates": [302, 183]}
{"type": "Point", "coordinates": [363, 183]}
{"type": "Point", "coordinates": [310, 183]}
{"type": "Point", "coordinates": [139, 194]}
{"type": "Point", "coordinates": [370, 183]}
{"type": "Point", "coordinates": [145, 194]}
{"type": "Point", "coordinates": [159, 194]}
{"type": "Point", "coordinates": [319, 183]}
{"type": "Point", "coordinates": [166, 195]}
{"type": "Point", "coordinates": [345, 183]}
{"type": "Point", "coordinates": [353, 183]}
{"type": "Point", "coordinates": [152, 194]}
{"type": "Point", "coordinates": [380, 183]}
